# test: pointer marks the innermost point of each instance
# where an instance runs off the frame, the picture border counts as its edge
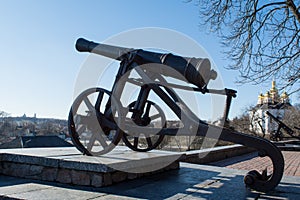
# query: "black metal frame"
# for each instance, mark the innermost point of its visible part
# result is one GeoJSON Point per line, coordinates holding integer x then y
{"type": "Point", "coordinates": [146, 84]}
{"type": "Point", "coordinates": [264, 147]}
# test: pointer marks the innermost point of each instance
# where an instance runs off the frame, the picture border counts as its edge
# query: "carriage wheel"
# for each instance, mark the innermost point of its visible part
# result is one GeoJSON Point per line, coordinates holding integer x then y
{"type": "Point", "coordinates": [93, 131]}
{"type": "Point", "coordinates": [146, 140]}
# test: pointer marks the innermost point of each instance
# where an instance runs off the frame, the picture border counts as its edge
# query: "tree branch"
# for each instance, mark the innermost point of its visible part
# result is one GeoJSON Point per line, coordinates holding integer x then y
{"type": "Point", "coordinates": [293, 8]}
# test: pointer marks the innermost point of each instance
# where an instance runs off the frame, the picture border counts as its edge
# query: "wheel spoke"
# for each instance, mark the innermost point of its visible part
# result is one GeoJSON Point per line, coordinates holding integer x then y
{"type": "Point", "coordinates": [155, 116]}
{"type": "Point", "coordinates": [91, 143]}
{"type": "Point", "coordinates": [99, 100]}
{"type": "Point", "coordinates": [77, 118]}
{"type": "Point", "coordinates": [149, 142]}
{"type": "Point", "coordinates": [88, 104]}
{"type": "Point", "coordinates": [81, 129]}
{"type": "Point", "coordinates": [101, 140]}
{"type": "Point", "coordinates": [135, 142]}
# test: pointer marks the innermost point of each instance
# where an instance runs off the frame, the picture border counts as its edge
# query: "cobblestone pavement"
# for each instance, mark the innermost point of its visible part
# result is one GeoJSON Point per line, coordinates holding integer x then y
{"type": "Point", "coordinates": [251, 161]}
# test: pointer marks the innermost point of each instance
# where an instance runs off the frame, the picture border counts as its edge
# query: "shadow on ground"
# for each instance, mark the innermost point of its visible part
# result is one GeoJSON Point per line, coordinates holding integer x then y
{"type": "Point", "coordinates": [190, 182]}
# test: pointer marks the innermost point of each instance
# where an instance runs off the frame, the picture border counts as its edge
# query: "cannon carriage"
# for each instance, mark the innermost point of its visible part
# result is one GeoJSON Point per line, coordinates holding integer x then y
{"type": "Point", "coordinates": [98, 120]}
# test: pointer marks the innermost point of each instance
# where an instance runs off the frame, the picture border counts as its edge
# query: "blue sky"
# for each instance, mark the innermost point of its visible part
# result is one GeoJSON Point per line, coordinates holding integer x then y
{"type": "Point", "coordinates": [39, 64]}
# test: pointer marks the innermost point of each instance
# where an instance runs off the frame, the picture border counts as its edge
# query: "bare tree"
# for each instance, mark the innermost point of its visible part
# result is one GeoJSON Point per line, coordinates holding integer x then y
{"type": "Point", "coordinates": [292, 118]}
{"type": "Point", "coordinates": [249, 122]}
{"type": "Point", "coordinates": [3, 114]}
{"type": "Point", "coordinates": [256, 122]}
{"type": "Point", "coordinates": [5, 126]}
{"type": "Point", "coordinates": [261, 37]}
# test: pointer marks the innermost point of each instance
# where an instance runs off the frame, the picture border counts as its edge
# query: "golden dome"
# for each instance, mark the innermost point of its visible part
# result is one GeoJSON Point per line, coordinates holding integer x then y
{"type": "Point", "coordinates": [273, 85]}
{"type": "Point", "coordinates": [284, 95]}
{"type": "Point", "coordinates": [260, 99]}
{"type": "Point", "coordinates": [267, 94]}
{"type": "Point", "coordinates": [273, 88]}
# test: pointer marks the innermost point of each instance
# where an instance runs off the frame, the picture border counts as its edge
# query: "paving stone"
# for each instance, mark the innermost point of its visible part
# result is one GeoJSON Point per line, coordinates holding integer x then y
{"type": "Point", "coordinates": [6, 168]}
{"type": "Point", "coordinates": [119, 176]}
{"type": "Point", "coordinates": [132, 175]}
{"type": "Point", "coordinates": [64, 176]}
{"type": "Point", "coordinates": [20, 170]}
{"type": "Point", "coordinates": [80, 178]}
{"type": "Point", "coordinates": [251, 161]}
{"type": "Point", "coordinates": [35, 172]}
{"type": "Point", "coordinates": [57, 193]}
{"type": "Point", "coordinates": [107, 180]}
{"type": "Point", "coordinates": [18, 186]}
{"type": "Point", "coordinates": [97, 180]}
{"type": "Point", "coordinates": [115, 197]}
{"type": "Point", "coordinates": [49, 174]}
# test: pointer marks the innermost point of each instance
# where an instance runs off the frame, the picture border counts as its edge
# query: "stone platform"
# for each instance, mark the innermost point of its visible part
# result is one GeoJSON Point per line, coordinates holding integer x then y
{"type": "Point", "coordinates": [68, 165]}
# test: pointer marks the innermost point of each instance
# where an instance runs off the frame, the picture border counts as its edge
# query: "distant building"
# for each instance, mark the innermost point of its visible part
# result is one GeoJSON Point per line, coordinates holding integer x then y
{"type": "Point", "coordinates": [271, 101]}
{"type": "Point", "coordinates": [36, 141]}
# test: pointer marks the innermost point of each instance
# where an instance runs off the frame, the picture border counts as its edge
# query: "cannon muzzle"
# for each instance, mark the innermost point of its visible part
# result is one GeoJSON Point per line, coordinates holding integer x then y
{"type": "Point", "coordinates": [83, 45]}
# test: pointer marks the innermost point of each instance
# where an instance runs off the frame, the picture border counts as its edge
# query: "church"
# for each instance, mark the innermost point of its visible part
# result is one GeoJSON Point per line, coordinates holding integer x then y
{"type": "Point", "coordinates": [271, 101]}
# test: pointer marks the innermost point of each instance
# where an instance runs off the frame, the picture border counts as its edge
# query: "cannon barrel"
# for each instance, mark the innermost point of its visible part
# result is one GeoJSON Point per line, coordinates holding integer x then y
{"type": "Point", "coordinates": [195, 70]}
{"type": "Point", "coordinates": [83, 45]}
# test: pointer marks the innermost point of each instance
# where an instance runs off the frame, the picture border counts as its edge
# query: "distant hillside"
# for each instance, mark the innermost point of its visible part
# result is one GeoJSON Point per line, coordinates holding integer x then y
{"type": "Point", "coordinates": [12, 127]}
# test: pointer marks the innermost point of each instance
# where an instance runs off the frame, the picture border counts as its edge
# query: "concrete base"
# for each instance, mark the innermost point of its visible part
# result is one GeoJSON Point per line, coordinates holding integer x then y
{"type": "Point", "coordinates": [67, 165]}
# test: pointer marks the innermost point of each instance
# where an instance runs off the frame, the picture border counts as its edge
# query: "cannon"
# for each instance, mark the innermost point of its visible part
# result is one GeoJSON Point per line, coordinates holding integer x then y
{"type": "Point", "coordinates": [277, 135]}
{"type": "Point", "coordinates": [98, 120]}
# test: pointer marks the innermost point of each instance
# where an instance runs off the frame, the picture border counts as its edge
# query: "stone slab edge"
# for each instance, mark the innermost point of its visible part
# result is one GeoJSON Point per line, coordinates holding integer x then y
{"type": "Point", "coordinates": [215, 154]}
{"type": "Point", "coordinates": [71, 176]}
{"type": "Point", "coordinates": [54, 162]}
